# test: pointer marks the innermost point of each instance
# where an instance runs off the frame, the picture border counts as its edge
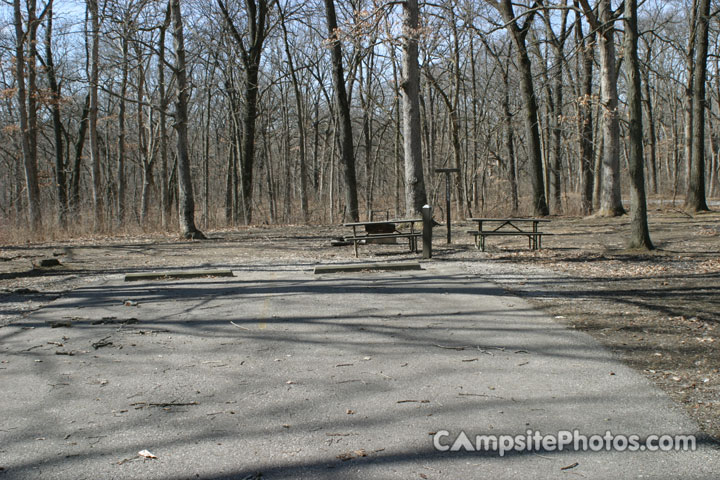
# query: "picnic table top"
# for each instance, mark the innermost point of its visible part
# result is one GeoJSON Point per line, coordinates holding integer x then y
{"type": "Point", "coordinates": [508, 219]}
{"type": "Point", "coordinates": [379, 222]}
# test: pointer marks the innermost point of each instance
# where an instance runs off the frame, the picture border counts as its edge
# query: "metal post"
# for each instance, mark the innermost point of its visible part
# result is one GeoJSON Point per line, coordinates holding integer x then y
{"type": "Point", "coordinates": [447, 172]}
{"type": "Point", "coordinates": [427, 231]}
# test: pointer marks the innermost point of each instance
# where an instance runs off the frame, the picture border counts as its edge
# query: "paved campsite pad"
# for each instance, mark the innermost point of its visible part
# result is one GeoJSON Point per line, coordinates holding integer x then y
{"type": "Point", "coordinates": [293, 375]}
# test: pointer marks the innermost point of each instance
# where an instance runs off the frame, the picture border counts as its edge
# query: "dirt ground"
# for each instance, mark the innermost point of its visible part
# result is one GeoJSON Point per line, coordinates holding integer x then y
{"type": "Point", "coordinates": [659, 311]}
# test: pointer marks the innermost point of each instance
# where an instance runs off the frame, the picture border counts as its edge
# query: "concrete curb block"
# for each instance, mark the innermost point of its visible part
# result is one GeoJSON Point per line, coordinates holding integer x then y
{"type": "Point", "coordinates": [130, 277]}
{"type": "Point", "coordinates": [359, 267]}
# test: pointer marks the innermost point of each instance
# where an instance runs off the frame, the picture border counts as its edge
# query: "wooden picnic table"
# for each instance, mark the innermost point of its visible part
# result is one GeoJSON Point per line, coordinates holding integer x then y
{"type": "Point", "coordinates": [509, 227]}
{"type": "Point", "coordinates": [383, 229]}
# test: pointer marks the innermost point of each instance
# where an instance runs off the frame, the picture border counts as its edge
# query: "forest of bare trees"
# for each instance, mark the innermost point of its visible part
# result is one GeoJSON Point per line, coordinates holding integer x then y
{"type": "Point", "coordinates": [187, 115]}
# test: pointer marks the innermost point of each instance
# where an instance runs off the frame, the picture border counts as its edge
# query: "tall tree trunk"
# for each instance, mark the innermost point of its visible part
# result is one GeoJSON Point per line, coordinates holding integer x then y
{"type": "Point", "coordinates": [77, 159]}
{"type": "Point", "coordinates": [93, 115]}
{"type": "Point", "coordinates": [688, 128]}
{"type": "Point", "coordinates": [415, 195]}
{"type": "Point", "coordinates": [519, 35]}
{"type": "Point", "coordinates": [640, 234]}
{"type": "Point", "coordinates": [144, 141]}
{"type": "Point", "coordinates": [397, 158]}
{"type": "Point", "coordinates": [300, 123]}
{"type": "Point", "coordinates": [475, 123]}
{"type": "Point", "coordinates": [248, 142]}
{"type": "Point", "coordinates": [121, 183]}
{"type": "Point", "coordinates": [695, 199]}
{"type": "Point", "coordinates": [460, 180]}
{"type": "Point", "coordinates": [231, 165]}
{"type": "Point", "coordinates": [27, 107]}
{"type": "Point", "coordinates": [585, 106]}
{"type": "Point", "coordinates": [186, 200]}
{"type": "Point", "coordinates": [652, 140]}
{"type": "Point", "coordinates": [345, 128]}
{"type": "Point", "coordinates": [610, 195]}
{"type": "Point", "coordinates": [604, 23]}
{"type": "Point", "coordinates": [165, 205]}
{"type": "Point", "coordinates": [206, 153]}
{"type": "Point", "coordinates": [509, 135]}
{"type": "Point", "coordinates": [257, 11]}
{"type": "Point", "coordinates": [60, 167]}
{"type": "Point", "coordinates": [558, 46]}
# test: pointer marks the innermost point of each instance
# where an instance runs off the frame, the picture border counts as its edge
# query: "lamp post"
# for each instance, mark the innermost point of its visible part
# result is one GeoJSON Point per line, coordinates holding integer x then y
{"type": "Point", "coordinates": [447, 172]}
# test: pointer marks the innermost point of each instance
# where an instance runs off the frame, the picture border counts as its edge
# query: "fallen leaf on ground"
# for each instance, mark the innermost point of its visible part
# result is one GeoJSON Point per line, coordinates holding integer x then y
{"type": "Point", "coordinates": [146, 454]}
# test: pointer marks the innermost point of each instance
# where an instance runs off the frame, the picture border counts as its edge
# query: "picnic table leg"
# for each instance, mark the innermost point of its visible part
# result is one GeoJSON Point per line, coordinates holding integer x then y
{"type": "Point", "coordinates": [412, 240]}
{"type": "Point", "coordinates": [532, 239]}
{"type": "Point", "coordinates": [355, 241]}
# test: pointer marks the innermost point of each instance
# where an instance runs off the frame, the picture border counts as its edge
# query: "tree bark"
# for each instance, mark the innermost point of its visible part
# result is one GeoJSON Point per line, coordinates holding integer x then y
{"type": "Point", "coordinates": [509, 140]}
{"type": "Point", "coordinates": [558, 46]}
{"type": "Point", "coordinates": [302, 161]}
{"type": "Point", "coordinates": [77, 159]}
{"type": "Point", "coordinates": [610, 194]}
{"type": "Point", "coordinates": [165, 205]}
{"type": "Point", "coordinates": [121, 183]}
{"type": "Point", "coordinates": [585, 106]}
{"type": "Point", "coordinates": [695, 199]}
{"type": "Point", "coordinates": [60, 168]}
{"type": "Point", "coordinates": [639, 232]}
{"type": "Point", "coordinates": [415, 194]}
{"type": "Point", "coordinates": [688, 127]}
{"type": "Point", "coordinates": [27, 108]}
{"type": "Point", "coordinates": [652, 140]}
{"type": "Point", "coordinates": [186, 200]}
{"type": "Point", "coordinates": [93, 115]}
{"type": "Point", "coordinates": [604, 23]}
{"type": "Point", "coordinates": [345, 128]}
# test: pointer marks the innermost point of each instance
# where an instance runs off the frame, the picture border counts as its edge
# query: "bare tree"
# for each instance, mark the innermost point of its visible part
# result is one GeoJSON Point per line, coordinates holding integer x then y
{"type": "Point", "coordinates": [251, 55]}
{"type": "Point", "coordinates": [415, 195]}
{"type": "Point", "coordinates": [55, 100]}
{"type": "Point", "coordinates": [640, 234]}
{"type": "Point", "coordinates": [585, 119]}
{"type": "Point", "coordinates": [186, 199]}
{"type": "Point", "coordinates": [165, 204]}
{"type": "Point", "coordinates": [343, 110]}
{"type": "Point", "coordinates": [121, 141]}
{"type": "Point", "coordinates": [93, 113]}
{"type": "Point", "coordinates": [519, 33]}
{"type": "Point", "coordinates": [300, 118]}
{"type": "Point", "coordinates": [604, 23]}
{"type": "Point", "coordinates": [27, 105]}
{"type": "Point", "coordinates": [695, 199]}
{"type": "Point", "coordinates": [557, 41]}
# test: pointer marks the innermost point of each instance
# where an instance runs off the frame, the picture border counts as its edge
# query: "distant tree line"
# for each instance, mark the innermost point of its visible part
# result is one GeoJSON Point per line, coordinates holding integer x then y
{"type": "Point", "coordinates": [161, 114]}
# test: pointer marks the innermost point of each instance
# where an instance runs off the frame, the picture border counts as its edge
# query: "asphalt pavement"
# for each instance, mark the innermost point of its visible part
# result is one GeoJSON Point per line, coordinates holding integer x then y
{"type": "Point", "coordinates": [280, 373]}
